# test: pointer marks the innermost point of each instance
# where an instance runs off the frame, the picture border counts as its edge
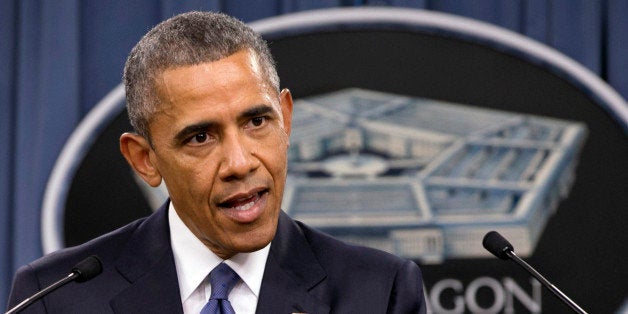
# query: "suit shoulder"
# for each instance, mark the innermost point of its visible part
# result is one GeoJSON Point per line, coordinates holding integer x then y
{"type": "Point", "coordinates": [34, 276]}
{"type": "Point", "coordinates": [381, 281]}
{"type": "Point", "coordinates": [106, 247]}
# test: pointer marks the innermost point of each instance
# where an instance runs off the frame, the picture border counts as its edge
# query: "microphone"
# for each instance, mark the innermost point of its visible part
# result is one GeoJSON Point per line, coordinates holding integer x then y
{"type": "Point", "coordinates": [82, 271]}
{"type": "Point", "coordinates": [500, 247]}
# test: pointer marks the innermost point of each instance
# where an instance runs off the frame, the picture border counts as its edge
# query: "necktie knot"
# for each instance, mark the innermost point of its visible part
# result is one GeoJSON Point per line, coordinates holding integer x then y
{"type": "Point", "coordinates": [222, 279]}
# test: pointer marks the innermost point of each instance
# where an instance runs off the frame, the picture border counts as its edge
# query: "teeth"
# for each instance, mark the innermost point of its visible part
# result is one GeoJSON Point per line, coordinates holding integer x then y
{"type": "Point", "coordinates": [245, 206]}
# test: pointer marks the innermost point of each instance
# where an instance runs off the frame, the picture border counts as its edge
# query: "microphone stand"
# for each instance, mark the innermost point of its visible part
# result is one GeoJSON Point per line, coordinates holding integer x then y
{"type": "Point", "coordinates": [83, 271]}
{"type": "Point", "coordinates": [69, 277]}
{"type": "Point", "coordinates": [511, 254]}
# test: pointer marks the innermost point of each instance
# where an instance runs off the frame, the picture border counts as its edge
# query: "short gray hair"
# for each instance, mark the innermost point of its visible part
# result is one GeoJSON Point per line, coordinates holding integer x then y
{"type": "Point", "coordinates": [186, 39]}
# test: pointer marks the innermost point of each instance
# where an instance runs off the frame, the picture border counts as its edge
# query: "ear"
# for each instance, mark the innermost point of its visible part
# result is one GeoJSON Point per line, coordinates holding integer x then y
{"type": "Point", "coordinates": [137, 152]}
{"type": "Point", "coordinates": [285, 102]}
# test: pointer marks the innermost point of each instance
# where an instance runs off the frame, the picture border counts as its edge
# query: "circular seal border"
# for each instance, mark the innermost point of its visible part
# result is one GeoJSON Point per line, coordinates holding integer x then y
{"type": "Point", "coordinates": [108, 108]}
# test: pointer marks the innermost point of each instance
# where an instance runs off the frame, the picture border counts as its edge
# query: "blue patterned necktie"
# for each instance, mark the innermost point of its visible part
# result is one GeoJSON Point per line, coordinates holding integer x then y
{"type": "Point", "coordinates": [222, 279]}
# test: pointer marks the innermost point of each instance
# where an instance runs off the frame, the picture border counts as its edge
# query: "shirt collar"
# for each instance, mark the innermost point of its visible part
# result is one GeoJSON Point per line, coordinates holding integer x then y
{"type": "Point", "coordinates": [194, 261]}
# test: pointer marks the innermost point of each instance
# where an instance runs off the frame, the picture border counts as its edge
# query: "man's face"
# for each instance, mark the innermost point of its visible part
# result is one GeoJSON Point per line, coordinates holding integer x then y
{"type": "Point", "coordinates": [220, 138]}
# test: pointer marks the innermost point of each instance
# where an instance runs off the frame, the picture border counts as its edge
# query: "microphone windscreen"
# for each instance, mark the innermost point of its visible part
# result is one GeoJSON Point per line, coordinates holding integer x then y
{"type": "Point", "coordinates": [88, 268]}
{"type": "Point", "coordinates": [496, 244]}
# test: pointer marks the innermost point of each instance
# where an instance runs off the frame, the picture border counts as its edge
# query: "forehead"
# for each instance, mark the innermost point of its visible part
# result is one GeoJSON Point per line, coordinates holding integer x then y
{"type": "Point", "coordinates": [235, 71]}
{"type": "Point", "coordinates": [210, 92]}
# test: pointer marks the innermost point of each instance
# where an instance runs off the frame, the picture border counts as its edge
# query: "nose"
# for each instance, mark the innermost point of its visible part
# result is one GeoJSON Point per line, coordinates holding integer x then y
{"type": "Point", "coordinates": [238, 157]}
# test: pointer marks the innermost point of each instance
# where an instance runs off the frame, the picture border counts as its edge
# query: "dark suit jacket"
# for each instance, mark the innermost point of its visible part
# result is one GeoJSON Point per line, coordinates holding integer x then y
{"type": "Point", "coordinates": [306, 271]}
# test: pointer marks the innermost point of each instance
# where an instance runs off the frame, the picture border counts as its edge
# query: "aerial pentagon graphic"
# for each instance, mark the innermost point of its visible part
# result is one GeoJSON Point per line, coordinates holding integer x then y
{"type": "Point", "coordinates": [426, 179]}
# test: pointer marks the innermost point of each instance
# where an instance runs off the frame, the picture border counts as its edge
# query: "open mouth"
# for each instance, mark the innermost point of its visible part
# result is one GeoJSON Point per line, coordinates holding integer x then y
{"type": "Point", "coordinates": [243, 203]}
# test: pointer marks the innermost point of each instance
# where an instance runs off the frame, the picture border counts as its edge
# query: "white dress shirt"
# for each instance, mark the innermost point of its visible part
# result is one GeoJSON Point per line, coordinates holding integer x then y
{"type": "Point", "coordinates": [194, 261]}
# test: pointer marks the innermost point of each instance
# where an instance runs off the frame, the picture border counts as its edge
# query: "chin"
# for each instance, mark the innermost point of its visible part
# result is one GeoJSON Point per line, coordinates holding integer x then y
{"type": "Point", "coordinates": [256, 241]}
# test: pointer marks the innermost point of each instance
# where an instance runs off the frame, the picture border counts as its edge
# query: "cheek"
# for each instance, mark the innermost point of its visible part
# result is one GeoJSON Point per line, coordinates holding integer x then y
{"type": "Point", "coordinates": [278, 169]}
{"type": "Point", "coordinates": [188, 180]}
{"type": "Point", "coordinates": [200, 177]}
{"type": "Point", "coordinates": [281, 141]}
{"type": "Point", "coordinates": [276, 153]}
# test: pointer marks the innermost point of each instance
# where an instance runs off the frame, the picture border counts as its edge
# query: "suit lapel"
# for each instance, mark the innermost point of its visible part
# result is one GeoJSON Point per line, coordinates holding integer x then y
{"type": "Point", "coordinates": [147, 263]}
{"type": "Point", "coordinates": [291, 272]}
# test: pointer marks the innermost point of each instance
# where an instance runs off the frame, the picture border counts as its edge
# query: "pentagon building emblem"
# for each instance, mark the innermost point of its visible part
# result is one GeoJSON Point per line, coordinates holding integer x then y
{"type": "Point", "coordinates": [421, 178]}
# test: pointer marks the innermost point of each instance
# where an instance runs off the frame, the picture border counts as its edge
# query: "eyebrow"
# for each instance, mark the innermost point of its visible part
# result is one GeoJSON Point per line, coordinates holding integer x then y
{"type": "Point", "coordinates": [182, 135]}
{"type": "Point", "coordinates": [256, 111]}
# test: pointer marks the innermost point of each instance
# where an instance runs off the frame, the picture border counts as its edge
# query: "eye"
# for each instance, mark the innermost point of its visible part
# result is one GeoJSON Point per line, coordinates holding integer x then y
{"type": "Point", "coordinates": [198, 139]}
{"type": "Point", "coordinates": [258, 121]}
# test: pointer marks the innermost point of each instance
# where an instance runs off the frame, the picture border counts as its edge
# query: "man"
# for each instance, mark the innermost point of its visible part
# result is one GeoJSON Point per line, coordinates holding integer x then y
{"type": "Point", "coordinates": [203, 96]}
